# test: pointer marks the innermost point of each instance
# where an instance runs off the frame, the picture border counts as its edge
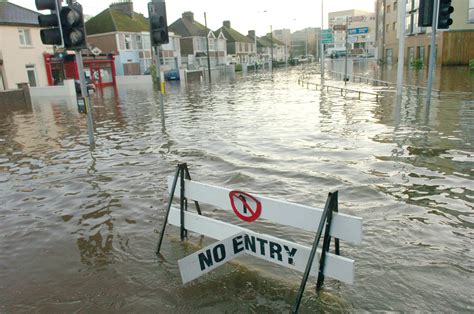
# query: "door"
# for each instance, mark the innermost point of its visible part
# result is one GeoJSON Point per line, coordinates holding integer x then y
{"type": "Point", "coordinates": [389, 56]}
{"type": "Point", "coordinates": [31, 73]}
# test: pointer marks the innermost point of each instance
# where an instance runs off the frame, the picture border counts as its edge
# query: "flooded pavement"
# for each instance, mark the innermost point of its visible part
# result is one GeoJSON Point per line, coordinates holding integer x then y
{"type": "Point", "coordinates": [79, 227]}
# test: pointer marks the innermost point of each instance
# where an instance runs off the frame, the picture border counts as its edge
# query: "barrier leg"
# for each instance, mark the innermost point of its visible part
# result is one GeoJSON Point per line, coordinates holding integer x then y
{"type": "Point", "coordinates": [173, 189]}
{"type": "Point", "coordinates": [182, 205]}
{"type": "Point", "coordinates": [312, 254]}
{"type": "Point", "coordinates": [188, 176]}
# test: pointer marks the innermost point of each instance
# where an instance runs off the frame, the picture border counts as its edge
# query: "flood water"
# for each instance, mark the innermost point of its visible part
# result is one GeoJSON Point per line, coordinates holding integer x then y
{"type": "Point", "coordinates": [79, 227]}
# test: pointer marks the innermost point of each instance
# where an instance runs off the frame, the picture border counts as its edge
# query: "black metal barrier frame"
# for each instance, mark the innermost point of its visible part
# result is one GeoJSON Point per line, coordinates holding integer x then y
{"type": "Point", "coordinates": [325, 222]}
{"type": "Point", "coordinates": [182, 172]}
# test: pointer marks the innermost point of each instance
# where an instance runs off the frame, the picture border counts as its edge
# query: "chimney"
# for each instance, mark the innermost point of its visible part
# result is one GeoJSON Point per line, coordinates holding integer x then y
{"type": "Point", "coordinates": [124, 6]}
{"type": "Point", "coordinates": [251, 34]}
{"type": "Point", "coordinates": [188, 15]}
{"type": "Point", "coordinates": [226, 24]}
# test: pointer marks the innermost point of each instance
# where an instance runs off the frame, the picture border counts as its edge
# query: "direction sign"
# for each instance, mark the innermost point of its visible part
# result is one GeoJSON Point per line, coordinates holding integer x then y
{"type": "Point", "coordinates": [359, 30]}
{"type": "Point", "coordinates": [245, 206]}
{"type": "Point", "coordinates": [352, 39]}
{"type": "Point", "coordinates": [328, 41]}
{"type": "Point", "coordinates": [339, 28]}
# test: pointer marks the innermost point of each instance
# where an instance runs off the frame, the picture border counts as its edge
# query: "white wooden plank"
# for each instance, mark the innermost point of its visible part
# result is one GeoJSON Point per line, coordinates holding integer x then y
{"type": "Point", "coordinates": [337, 267]}
{"type": "Point", "coordinates": [344, 227]}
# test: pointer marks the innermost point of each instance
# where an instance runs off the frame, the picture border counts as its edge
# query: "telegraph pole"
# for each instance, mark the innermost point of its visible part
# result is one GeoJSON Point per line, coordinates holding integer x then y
{"type": "Point", "coordinates": [207, 47]}
{"type": "Point", "coordinates": [347, 50]}
{"type": "Point", "coordinates": [322, 44]}
{"type": "Point", "coordinates": [401, 49]}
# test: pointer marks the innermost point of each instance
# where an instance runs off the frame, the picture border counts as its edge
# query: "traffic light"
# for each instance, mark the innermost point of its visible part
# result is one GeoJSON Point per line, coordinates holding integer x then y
{"type": "Point", "coordinates": [158, 23]}
{"type": "Point", "coordinates": [74, 31]}
{"type": "Point", "coordinates": [445, 10]}
{"type": "Point", "coordinates": [52, 35]}
{"type": "Point", "coordinates": [425, 13]}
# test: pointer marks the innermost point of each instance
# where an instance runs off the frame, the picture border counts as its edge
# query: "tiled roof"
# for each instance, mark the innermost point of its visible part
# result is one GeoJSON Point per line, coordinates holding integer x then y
{"type": "Point", "coordinates": [187, 28]}
{"type": "Point", "coordinates": [13, 14]}
{"type": "Point", "coordinates": [111, 20]}
{"type": "Point", "coordinates": [233, 36]}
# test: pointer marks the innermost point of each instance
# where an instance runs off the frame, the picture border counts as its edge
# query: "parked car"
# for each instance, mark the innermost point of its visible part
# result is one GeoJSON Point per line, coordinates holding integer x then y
{"type": "Point", "coordinates": [89, 86]}
{"type": "Point", "coordinates": [172, 75]}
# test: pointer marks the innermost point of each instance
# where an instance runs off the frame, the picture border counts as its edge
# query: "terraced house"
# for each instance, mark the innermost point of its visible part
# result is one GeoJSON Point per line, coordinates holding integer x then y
{"type": "Point", "coordinates": [125, 33]}
{"type": "Point", "coordinates": [193, 42]}
{"type": "Point", "coordinates": [241, 48]}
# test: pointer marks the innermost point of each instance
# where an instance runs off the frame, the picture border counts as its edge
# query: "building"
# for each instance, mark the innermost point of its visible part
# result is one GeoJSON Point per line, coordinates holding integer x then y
{"type": "Point", "coordinates": [239, 47]}
{"type": "Point", "coordinates": [361, 26]}
{"type": "Point", "coordinates": [305, 42]}
{"type": "Point", "coordinates": [121, 31]}
{"type": "Point", "coordinates": [453, 47]}
{"type": "Point", "coordinates": [193, 41]}
{"type": "Point", "coordinates": [265, 51]}
{"type": "Point", "coordinates": [21, 49]}
{"type": "Point", "coordinates": [284, 36]}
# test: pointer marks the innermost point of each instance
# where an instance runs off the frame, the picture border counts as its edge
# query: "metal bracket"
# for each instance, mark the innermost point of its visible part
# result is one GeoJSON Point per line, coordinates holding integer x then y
{"type": "Point", "coordinates": [326, 219]}
{"type": "Point", "coordinates": [182, 172]}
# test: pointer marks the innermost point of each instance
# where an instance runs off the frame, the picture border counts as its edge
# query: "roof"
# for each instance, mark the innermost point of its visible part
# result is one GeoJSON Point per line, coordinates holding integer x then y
{"type": "Point", "coordinates": [266, 41]}
{"type": "Point", "coordinates": [233, 36]}
{"type": "Point", "coordinates": [111, 20]}
{"type": "Point", "coordinates": [186, 28]}
{"type": "Point", "coordinates": [13, 14]}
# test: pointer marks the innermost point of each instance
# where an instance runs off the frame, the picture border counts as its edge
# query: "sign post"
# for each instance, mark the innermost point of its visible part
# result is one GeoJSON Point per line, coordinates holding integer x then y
{"type": "Point", "coordinates": [431, 65]}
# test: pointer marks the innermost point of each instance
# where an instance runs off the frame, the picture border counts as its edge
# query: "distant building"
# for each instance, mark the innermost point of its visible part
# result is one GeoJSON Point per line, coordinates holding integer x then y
{"type": "Point", "coordinates": [453, 47]}
{"type": "Point", "coordinates": [21, 49]}
{"type": "Point", "coordinates": [125, 33]}
{"type": "Point", "coordinates": [361, 28]}
{"type": "Point", "coordinates": [265, 51]}
{"type": "Point", "coordinates": [284, 36]}
{"type": "Point", "coordinates": [239, 47]}
{"type": "Point", "coordinates": [193, 40]}
{"type": "Point", "coordinates": [305, 42]}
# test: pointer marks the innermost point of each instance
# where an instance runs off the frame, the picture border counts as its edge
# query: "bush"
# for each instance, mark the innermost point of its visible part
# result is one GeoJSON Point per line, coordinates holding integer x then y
{"type": "Point", "coordinates": [471, 64]}
{"type": "Point", "coordinates": [153, 73]}
{"type": "Point", "coordinates": [417, 64]}
{"type": "Point", "coordinates": [238, 68]}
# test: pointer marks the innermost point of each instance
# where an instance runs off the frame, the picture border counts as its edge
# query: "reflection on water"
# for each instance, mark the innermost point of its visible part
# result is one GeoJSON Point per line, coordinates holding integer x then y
{"type": "Point", "coordinates": [78, 227]}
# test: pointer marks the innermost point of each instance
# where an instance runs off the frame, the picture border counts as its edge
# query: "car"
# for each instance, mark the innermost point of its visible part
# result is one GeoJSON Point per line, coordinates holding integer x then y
{"type": "Point", "coordinates": [89, 86]}
{"type": "Point", "coordinates": [172, 75]}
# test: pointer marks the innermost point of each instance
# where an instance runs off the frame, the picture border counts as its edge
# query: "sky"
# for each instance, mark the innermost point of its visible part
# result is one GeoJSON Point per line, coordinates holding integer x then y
{"type": "Point", "coordinates": [244, 15]}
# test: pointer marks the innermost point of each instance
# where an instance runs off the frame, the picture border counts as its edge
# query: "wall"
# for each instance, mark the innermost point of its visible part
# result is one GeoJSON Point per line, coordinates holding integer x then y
{"type": "Point", "coordinates": [68, 90]}
{"type": "Point", "coordinates": [19, 98]}
{"type": "Point", "coordinates": [16, 58]}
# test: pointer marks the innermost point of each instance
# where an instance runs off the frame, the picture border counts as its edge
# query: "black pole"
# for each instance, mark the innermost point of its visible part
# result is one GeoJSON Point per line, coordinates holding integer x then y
{"type": "Point", "coordinates": [188, 177]}
{"type": "Point", "coordinates": [182, 202]}
{"type": "Point", "coordinates": [173, 188]}
{"type": "Point", "coordinates": [312, 254]}
{"type": "Point", "coordinates": [207, 41]}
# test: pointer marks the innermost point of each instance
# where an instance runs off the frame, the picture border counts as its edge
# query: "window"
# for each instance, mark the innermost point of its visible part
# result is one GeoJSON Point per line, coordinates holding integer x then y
{"type": "Point", "coordinates": [31, 73]}
{"type": "Point", "coordinates": [211, 44]}
{"type": "Point", "coordinates": [395, 6]}
{"type": "Point", "coordinates": [388, 8]}
{"type": "Point", "coordinates": [25, 38]}
{"type": "Point", "coordinates": [128, 42]}
{"type": "Point", "coordinates": [394, 26]}
{"type": "Point", "coordinates": [387, 28]}
{"type": "Point", "coordinates": [470, 17]}
{"type": "Point", "coordinates": [139, 42]}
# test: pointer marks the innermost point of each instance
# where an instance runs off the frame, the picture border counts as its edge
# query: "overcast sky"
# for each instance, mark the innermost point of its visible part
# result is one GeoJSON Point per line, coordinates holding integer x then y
{"type": "Point", "coordinates": [243, 14]}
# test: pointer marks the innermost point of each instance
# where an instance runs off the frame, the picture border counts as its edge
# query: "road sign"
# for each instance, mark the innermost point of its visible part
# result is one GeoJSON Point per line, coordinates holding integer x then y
{"type": "Point", "coordinates": [96, 51]}
{"type": "Point", "coordinates": [245, 206]}
{"type": "Point", "coordinates": [339, 28]}
{"type": "Point", "coordinates": [293, 255]}
{"type": "Point", "coordinates": [344, 227]}
{"type": "Point", "coordinates": [211, 257]}
{"type": "Point", "coordinates": [328, 41]}
{"type": "Point", "coordinates": [359, 30]}
{"type": "Point", "coordinates": [351, 39]}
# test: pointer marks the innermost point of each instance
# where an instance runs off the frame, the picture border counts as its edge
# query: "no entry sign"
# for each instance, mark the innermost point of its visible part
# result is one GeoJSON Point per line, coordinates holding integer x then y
{"type": "Point", "coordinates": [245, 206]}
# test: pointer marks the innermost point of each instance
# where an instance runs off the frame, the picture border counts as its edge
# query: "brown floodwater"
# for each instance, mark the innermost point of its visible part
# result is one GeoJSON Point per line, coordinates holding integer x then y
{"type": "Point", "coordinates": [79, 226]}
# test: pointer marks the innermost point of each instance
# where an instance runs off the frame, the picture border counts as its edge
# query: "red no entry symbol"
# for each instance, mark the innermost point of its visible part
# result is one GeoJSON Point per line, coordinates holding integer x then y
{"type": "Point", "coordinates": [245, 206]}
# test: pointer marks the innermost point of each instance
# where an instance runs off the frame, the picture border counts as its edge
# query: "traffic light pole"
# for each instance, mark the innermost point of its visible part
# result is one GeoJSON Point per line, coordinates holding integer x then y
{"type": "Point", "coordinates": [347, 50]}
{"type": "Point", "coordinates": [434, 26]}
{"type": "Point", "coordinates": [162, 86]}
{"type": "Point", "coordinates": [84, 93]}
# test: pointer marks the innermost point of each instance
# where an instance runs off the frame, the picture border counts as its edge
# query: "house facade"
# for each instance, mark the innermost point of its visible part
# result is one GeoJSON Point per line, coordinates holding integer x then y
{"type": "Point", "coordinates": [265, 51]}
{"type": "Point", "coordinates": [21, 49]}
{"type": "Point", "coordinates": [121, 31]}
{"type": "Point", "coordinates": [453, 47]}
{"type": "Point", "coordinates": [240, 48]}
{"type": "Point", "coordinates": [193, 41]}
